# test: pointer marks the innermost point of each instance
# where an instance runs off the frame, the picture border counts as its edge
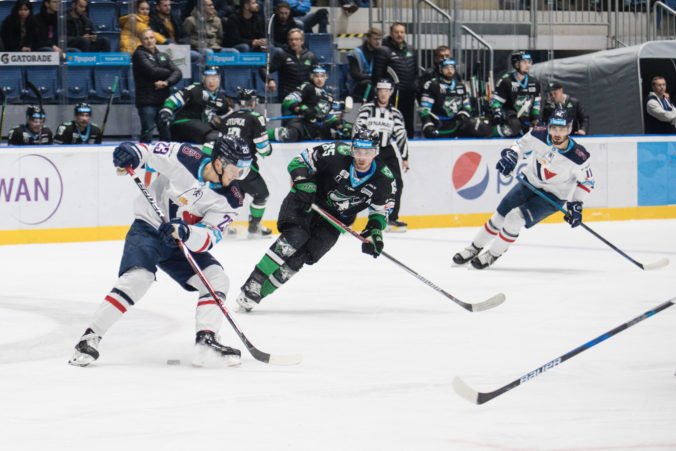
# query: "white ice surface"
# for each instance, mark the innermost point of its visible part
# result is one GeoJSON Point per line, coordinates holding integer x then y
{"type": "Point", "coordinates": [380, 350]}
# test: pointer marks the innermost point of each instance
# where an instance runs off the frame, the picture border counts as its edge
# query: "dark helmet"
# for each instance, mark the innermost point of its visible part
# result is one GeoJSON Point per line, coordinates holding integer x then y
{"type": "Point", "coordinates": [230, 149]}
{"type": "Point", "coordinates": [365, 138]}
{"type": "Point", "coordinates": [211, 70]}
{"type": "Point", "coordinates": [560, 116]}
{"type": "Point", "coordinates": [246, 95]}
{"type": "Point", "coordinates": [83, 107]}
{"type": "Point", "coordinates": [384, 83]}
{"type": "Point", "coordinates": [35, 112]}
{"type": "Point", "coordinates": [519, 55]}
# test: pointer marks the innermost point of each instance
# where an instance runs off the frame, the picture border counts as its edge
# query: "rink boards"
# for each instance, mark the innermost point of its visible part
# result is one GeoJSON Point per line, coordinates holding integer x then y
{"type": "Point", "coordinates": [72, 193]}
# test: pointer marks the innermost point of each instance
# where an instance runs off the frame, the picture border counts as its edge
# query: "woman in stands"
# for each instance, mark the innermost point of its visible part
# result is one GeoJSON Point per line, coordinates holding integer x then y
{"type": "Point", "coordinates": [133, 25]}
{"type": "Point", "coordinates": [19, 29]}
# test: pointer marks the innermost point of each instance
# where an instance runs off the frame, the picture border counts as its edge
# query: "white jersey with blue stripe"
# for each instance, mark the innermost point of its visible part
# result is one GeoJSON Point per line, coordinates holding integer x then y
{"type": "Point", "coordinates": [180, 192]}
{"type": "Point", "coordinates": [566, 173]}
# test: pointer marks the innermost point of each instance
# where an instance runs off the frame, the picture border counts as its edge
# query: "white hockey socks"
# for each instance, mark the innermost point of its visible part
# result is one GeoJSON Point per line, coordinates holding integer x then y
{"type": "Point", "coordinates": [208, 315]}
{"type": "Point", "coordinates": [511, 227]}
{"type": "Point", "coordinates": [129, 289]}
{"type": "Point", "coordinates": [489, 230]}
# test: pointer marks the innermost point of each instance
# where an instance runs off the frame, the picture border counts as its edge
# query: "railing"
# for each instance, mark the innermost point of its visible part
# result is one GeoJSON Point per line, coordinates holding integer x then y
{"type": "Point", "coordinates": [664, 22]}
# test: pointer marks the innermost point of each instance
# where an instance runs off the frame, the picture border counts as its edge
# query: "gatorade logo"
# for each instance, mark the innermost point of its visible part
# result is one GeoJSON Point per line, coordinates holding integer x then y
{"type": "Point", "coordinates": [470, 175]}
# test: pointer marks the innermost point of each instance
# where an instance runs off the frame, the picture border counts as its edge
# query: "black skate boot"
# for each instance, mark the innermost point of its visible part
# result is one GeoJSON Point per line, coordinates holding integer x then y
{"type": "Point", "coordinates": [206, 347]}
{"type": "Point", "coordinates": [256, 229]}
{"type": "Point", "coordinates": [484, 260]}
{"type": "Point", "coordinates": [86, 350]}
{"type": "Point", "coordinates": [466, 254]}
{"type": "Point", "coordinates": [395, 225]}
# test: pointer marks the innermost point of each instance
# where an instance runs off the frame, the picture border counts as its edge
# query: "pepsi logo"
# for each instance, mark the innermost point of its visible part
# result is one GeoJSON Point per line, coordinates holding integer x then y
{"type": "Point", "coordinates": [470, 175]}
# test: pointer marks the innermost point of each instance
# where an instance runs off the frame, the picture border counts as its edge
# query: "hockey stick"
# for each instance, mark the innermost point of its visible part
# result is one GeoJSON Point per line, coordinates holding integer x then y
{"type": "Point", "coordinates": [38, 94]}
{"type": "Point", "coordinates": [2, 116]}
{"type": "Point", "coordinates": [267, 62]}
{"type": "Point", "coordinates": [395, 80]}
{"type": "Point", "coordinates": [473, 396]}
{"type": "Point", "coordinates": [658, 264]}
{"type": "Point", "coordinates": [282, 117]}
{"type": "Point", "coordinates": [105, 116]}
{"type": "Point", "coordinates": [478, 307]}
{"type": "Point", "coordinates": [292, 359]}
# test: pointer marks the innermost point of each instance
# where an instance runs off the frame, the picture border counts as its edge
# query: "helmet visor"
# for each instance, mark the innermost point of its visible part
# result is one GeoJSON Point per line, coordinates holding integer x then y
{"type": "Point", "coordinates": [363, 149]}
{"type": "Point", "coordinates": [239, 170]}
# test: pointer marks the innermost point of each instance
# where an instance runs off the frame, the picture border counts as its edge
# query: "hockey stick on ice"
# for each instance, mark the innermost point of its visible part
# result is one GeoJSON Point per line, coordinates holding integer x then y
{"type": "Point", "coordinates": [292, 359]}
{"type": "Point", "coordinates": [478, 307]}
{"type": "Point", "coordinates": [655, 265]}
{"type": "Point", "coordinates": [473, 396]}
{"type": "Point", "coordinates": [105, 116]}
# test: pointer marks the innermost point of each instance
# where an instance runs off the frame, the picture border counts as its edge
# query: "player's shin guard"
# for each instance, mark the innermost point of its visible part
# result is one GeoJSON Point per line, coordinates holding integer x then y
{"type": "Point", "coordinates": [208, 315]}
{"type": "Point", "coordinates": [513, 223]}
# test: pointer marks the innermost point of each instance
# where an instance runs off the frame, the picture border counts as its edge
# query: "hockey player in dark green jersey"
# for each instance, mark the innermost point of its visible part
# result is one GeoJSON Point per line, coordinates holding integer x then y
{"type": "Point", "coordinates": [339, 178]}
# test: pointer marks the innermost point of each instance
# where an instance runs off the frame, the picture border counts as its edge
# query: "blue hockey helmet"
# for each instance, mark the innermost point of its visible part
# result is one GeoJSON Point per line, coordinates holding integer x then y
{"type": "Point", "coordinates": [233, 150]}
{"type": "Point", "coordinates": [560, 117]}
{"type": "Point", "coordinates": [35, 112]}
{"type": "Point", "coordinates": [365, 139]}
{"type": "Point", "coordinates": [83, 108]}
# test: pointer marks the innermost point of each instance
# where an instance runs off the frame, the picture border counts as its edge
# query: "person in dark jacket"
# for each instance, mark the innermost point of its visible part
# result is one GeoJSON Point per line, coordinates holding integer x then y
{"type": "Point", "coordinates": [80, 130]}
{"type": "Point", "coordinates": [19, 29]}
{"type": "Point", "coordinates": [361, 64]}
{"type": "Point", "coordinates": [80, 30]}
{"type": "Point", "coordinates": [400, 56]}
{"type": "Point", "coordinates": [48, 28]}
{"type": "Point", "coordinates": [294, 63]}
{"type": "Point", "coordinates": [559, 100]}
{"type": "Point", "coordinates": [282, 24]}
{"type": "Point", "coordinates": [163, 21]}
{"type": "Point", "coordinates": [154, 72]}
{"type": "Point", "coordinates": [245, 30]}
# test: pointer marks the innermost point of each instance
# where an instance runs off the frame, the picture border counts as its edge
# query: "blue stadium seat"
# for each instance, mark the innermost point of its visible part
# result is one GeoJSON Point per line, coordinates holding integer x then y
{"type": "Point", "coordinates": [35, 6]}
{"type": "Point", "coordinates": [260, 84]}
{"type": "Point", "coordinates": [5, 9]}
{"type": "Point", "coordinates": [104, 16]}
{"type": "Point", "coordinates": [104, 77]}
{"type": "Point", "coordinates": [45, 79]}
{"type": "Point", "coordinates": [182, 83]}
{"type": "Point", "coordinates": [11, 82]}
{"type": "Point", "coordinates": [321, 44]}
{"type": "Point", "coordinates": [79, 84]}
{"type": "Point", "coordinates": [236, 77]}
{"type": "Point", "coordinates": [113, 37]}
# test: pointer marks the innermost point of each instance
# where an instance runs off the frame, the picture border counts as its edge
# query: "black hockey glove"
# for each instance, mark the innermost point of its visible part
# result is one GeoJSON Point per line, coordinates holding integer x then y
{"type": "Point", "coordinates": [498, 118]}
{"type": "Point", "coordinates": [164, 124]}
{"type": "Point", "coordinates": [463, 116]}
{"type": "Point", "coordinates": [374, 242]}
{"type": "Point", "coordinates": [430, 131]}
{"type": "Point", "coordinates": [574, 215]}
{"type": "Point", "coordinates": [125, 155]}
{"type": "Point", "coordinates": [306, 191]}
{"type": "Point", "coordinates": [507, 161]}
{"type": "Point", "coordinates": [309, 114]}
{"type": "Point", "coordinates": [173, 230]}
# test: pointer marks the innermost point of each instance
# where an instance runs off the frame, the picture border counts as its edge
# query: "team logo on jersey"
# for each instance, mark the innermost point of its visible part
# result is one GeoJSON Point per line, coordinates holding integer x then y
{"type": "Point", "coordinates": [342, 202]}
{"type": "Point", "coordinates": [470, 175]}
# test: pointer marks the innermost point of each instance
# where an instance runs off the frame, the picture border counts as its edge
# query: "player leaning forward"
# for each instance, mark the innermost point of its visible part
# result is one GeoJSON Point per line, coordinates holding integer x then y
{"type": "Point", "coordinates": [200, 196]}
{"type": "Point", "coordinates": [555, 165]}
{"type": "Point", "coordinates": [341, 179]}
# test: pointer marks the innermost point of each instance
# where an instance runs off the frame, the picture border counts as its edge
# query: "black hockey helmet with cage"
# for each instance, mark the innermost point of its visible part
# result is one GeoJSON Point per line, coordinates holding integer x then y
{"type": "Point", "coordinates": [246, 95]}
{"type": "Point", "coordinates": [365, 138]}
{"type": "Point", "coordinates": [82, 107]}
{"type": "Point", "coordinates": [519, 55]}
{"type": "Point", "coordinates": [211, 70]}
{"type": "Point", "coordinates": [35, 112]}
{"type": "Point", "coordinates": [230, 149]}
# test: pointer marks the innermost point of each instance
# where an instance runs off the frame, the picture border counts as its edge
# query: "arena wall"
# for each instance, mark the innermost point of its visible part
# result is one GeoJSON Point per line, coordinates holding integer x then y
{"type": "Point", "coordinates": [72, 193]}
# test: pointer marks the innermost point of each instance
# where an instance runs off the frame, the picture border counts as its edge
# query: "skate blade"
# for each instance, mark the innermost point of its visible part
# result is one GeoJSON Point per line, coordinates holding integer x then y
{"type": "Point", "coordinates": [395, 229]}
{"type": "Point", "coordinates": [258, 236]}
{"type": "Point", "coordinates": [81, 360]}
{"type": "Point", "coordinates": [207, 357]}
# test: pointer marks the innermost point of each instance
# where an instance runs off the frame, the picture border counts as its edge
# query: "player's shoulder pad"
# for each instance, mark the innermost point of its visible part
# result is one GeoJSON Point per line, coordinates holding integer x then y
{"type": "Point", "coordinates": [344, 149]}
{"type": "Point", "coordinates": [254, 114]}
{"type": "Point", "coordinates": [540, 135]}
{"type": "Point", "coordinates": [66, 124]}
{"type": "Point", "coordinates": [577, 154]}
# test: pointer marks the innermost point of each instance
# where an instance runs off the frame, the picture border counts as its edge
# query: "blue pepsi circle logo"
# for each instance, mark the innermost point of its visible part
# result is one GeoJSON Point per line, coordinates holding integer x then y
{"type": "Point", "coordinates": [470, 175]}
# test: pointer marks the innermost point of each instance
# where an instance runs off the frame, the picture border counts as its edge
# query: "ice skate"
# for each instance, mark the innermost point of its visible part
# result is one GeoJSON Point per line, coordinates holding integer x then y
{"type": "Point", "coordinates": [396, 226]}
{"type": "Point", "coordinates": [257, 230]}
{"type": "Point", "coordinates": [207, 348]}
{"type": "Point", "coordinates": [246, 303]}
{"type": "Point", "coordinates": [86, 351]}
{"type": "Point", "coordinates": [483, 260]}
{"type": "Point", "coordinates": [466, 254]}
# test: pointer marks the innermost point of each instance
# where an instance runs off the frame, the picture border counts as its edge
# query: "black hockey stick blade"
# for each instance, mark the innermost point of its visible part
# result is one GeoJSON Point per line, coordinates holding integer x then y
{"type": "Point", "coordinates": [489, 303]}
{"type": "Point", "coordinates": [656, 265]}
{"type": "Point", "coordinates": [292, 359]}
{"type": "Point", "coordinates": [477, 397]}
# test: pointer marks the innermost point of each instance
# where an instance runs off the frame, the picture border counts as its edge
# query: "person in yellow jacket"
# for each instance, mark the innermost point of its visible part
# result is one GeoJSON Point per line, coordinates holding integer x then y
{"type": "Point", "coordinates": [133, 24]}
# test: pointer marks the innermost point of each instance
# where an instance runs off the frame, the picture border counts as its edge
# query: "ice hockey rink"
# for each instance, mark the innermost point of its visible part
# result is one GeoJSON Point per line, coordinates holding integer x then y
{"type": "Point", "coordinates": [380, 350]}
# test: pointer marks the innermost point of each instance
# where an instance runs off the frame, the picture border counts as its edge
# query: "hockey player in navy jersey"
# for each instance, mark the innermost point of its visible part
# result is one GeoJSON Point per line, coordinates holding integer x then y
{"type": "Point", "coordinates": [555, 165]}
{"type": "Point", "coordinates": [200, 195]}
{"type": "Point", "coordinates": [341, 179]}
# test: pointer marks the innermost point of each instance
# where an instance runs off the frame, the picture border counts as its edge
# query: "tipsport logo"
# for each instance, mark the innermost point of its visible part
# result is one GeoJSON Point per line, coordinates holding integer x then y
{"type": "Point", "coordinates": [470, 175]}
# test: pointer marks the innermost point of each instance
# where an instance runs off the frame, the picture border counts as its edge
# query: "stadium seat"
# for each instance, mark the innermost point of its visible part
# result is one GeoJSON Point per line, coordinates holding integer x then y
{"type": "Point", "coordinates": [104, 77]}
{"type": "Point", "coordinates": [79, 84]}
{"type": "Point", "coordinates": [113, 37]}
{"type": "Point", "coordinates": [11, 82]}
{"type": "Point", "coordinates": [321, 44]}
{"type": "Point", "coordinates": [5, 8]}
{"type": "Point", "coordinates": [260, 84]}
{"type": "Point", "coordinates": [104, 16]}
{"type": "Point", "coordinates": [45, 79]}
{"type": "Point", "coordinates": [236, 77]}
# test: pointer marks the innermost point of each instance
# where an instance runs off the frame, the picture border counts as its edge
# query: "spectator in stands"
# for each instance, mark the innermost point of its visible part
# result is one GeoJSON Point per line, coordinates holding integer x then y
{"type": "Point", "coordinates": [559, 100]}
{"type": "Point", "coordinates": [361, 64]}
{"type": "Point", "coordinates": [400, 56]}
{"type": "Point", "coordinates": [133, 25]}
{"type": "Point", "coordinates": [301, 8]}
{"type": "Point", "coordinates": [154, 73]}
{"type": "Point", "coordinates": [293, 62]}
{"type": "Point", "coordinates": [33, 131]}
{"type": "Point", "coordinates": [245, 30]}
{"type": "Point", "coordinates": [79, 131]}
{"type": "Point", "coordinates": [213, 32]}
{"type": "Point", "coordinates": [162, 20]}
{"type": "Point", "coordinates": [441, 53]}
{"type": "Point", "coordinates": [19, 29]}
{"type": "Point", "coordinates": [661, 113]}
{"type": "Point", "coordinates": [48, 28]}
{"type": "Point", "coordinates": [80, 30]}
{"type": "Point", "coordinates": [282, 24]}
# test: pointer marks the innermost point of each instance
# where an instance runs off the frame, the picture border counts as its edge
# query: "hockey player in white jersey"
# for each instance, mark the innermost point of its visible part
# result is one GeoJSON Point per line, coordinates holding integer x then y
{"type": "Point", "coordinates": [555, 165]}
{"type": "Point", "coordinates": [200, 195]}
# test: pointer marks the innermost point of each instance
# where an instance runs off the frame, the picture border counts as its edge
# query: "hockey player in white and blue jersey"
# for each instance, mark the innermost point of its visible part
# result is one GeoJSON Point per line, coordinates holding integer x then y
{"type": "Point", "coordinates": [200, 195]}
{"type": "Point", "coordinates": [556, 165]}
